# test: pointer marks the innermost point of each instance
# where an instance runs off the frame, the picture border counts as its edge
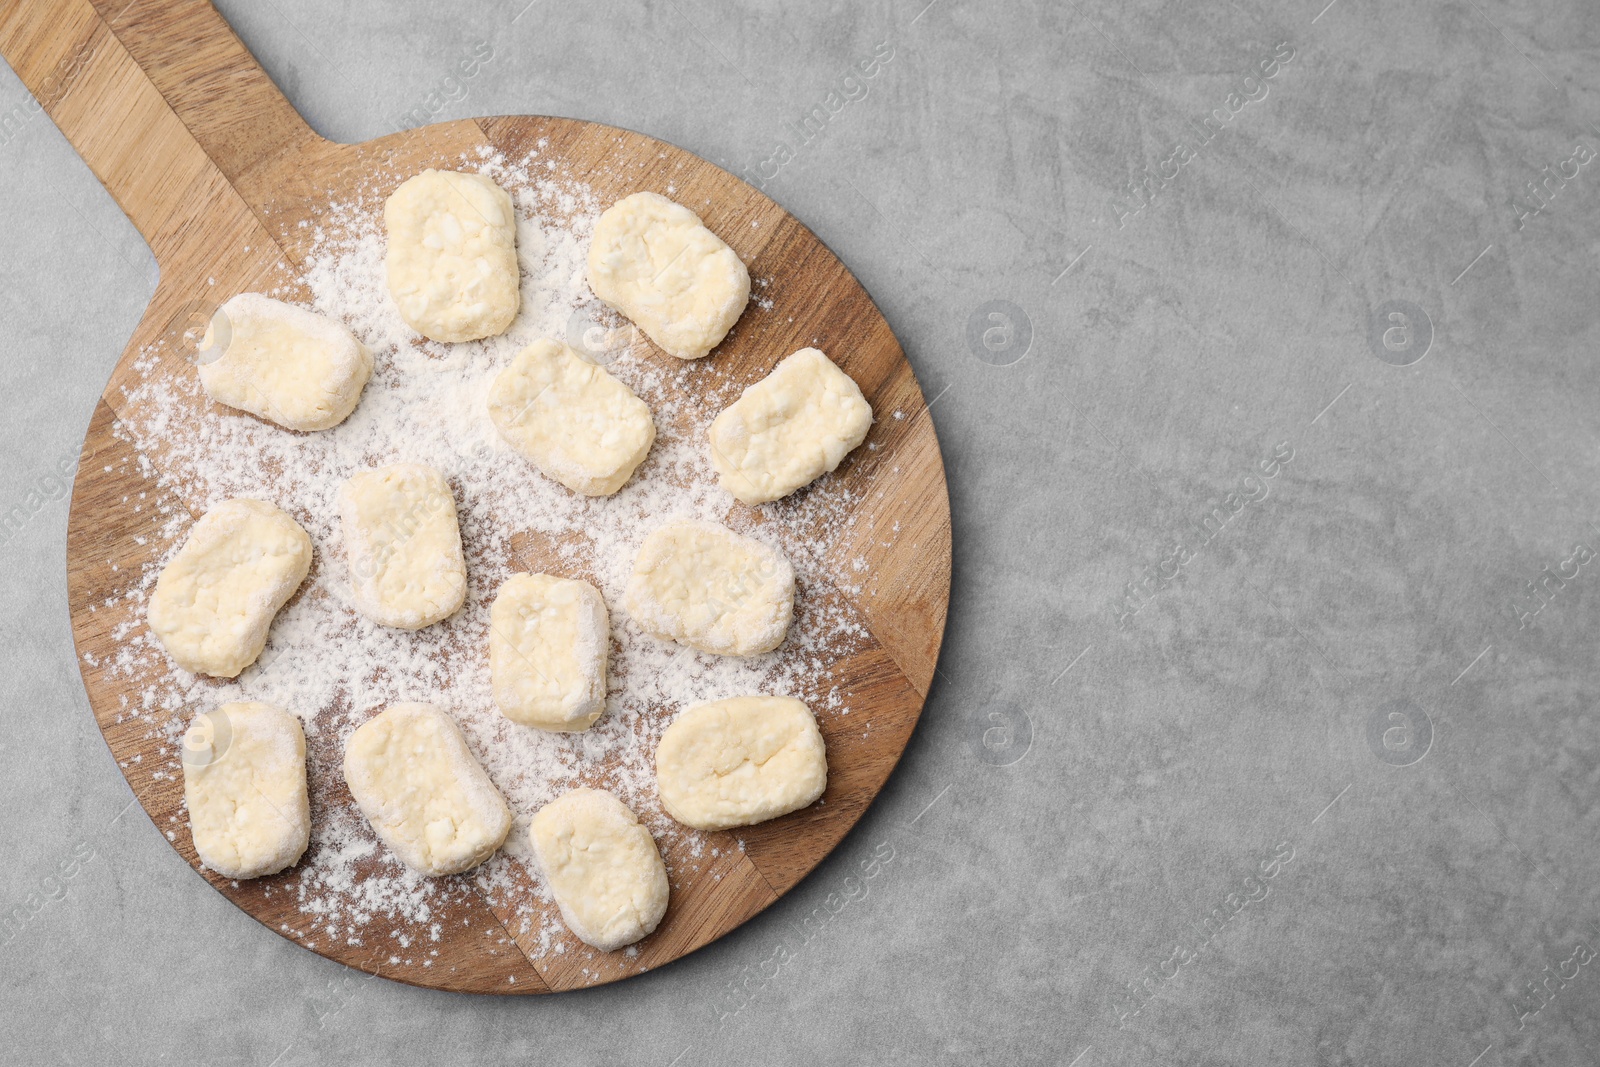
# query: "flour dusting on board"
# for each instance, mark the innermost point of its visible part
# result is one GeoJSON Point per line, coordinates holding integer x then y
{"type": "Point", "coordinates": [426, 403]}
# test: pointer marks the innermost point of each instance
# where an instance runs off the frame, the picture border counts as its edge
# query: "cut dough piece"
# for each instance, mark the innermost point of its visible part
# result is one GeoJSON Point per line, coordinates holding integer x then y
{"type": "Point", "coordinates": [294, 367]}
{"type": "Point", "coordinates": [571, 419]}
{"type": "Point", "coordinates": [602, 866]}
{"type": "Point", "coordinates": [792, 426]}
{"type": "Point", "coordinates": [655, 262]}
{"type": "Point", "coordinates": [244, 780]}
{"type": "Point", "coordinates": [213, 603]}
{"type": "Point", "coordinates": [404, 546]}
{"type": "Point", "coordinates": [704, 586]}
{"type": "Point", "coordinates": [423, 791]}
{"type": "Point", "coordinates": [548, 639]}
{"type": "Point", "coordinates": [452, 255]}
{"type": "Point", "coordinates": [740, 761]}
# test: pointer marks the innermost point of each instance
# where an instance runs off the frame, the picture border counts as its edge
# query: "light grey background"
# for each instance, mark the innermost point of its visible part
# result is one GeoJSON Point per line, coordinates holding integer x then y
{"type": "Point", "coordinates": [1079, 796]}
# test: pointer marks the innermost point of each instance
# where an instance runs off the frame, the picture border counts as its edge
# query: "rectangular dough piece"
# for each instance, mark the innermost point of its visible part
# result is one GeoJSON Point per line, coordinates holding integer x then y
{"type": "Point", "coordinates": [215, 600]}
{"type": "Point", "coordinates": [548, 643]}
{"type": "Point", "coordinates": [602, 866]}
{"type": "Point", "coordinates": [740, 761]}
{"type": "Point", "coordinates": [788, 429]}
{"type": "Point", "coordinates": [403, 544]}
{"type": "Point", "coordinates": [655, 262]}
{"type": "Point", "coordinates": [702, 585]}
{"type": "Point", "coordinates": [282, 363]}
{"type": "Point", "coordinates": [571, 419]}
{"type": "Point", "coordinates": [244, 781]}
{"type": "Point", "coordinates": [424, 792]}
{"type": "Point", "coordinates": [451, 260]}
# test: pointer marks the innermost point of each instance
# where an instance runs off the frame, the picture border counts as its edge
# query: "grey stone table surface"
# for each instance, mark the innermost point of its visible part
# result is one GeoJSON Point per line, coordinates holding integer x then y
{"type": "Point", "coordinates": [1260, 335]}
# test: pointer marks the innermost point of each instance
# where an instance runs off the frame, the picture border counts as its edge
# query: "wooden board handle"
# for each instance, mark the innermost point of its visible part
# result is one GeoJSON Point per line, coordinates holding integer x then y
{"type": "Point", "coordinates": [159, 97]}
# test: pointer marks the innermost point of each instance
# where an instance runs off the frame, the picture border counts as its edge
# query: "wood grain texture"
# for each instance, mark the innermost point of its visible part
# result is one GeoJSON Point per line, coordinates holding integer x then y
{"type": "Point", "coordinates": [207, 158]}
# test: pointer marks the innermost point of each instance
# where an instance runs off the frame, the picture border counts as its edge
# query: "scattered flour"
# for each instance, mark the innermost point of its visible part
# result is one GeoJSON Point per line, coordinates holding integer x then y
{"type": "Point", "coordinates": [426, 403]}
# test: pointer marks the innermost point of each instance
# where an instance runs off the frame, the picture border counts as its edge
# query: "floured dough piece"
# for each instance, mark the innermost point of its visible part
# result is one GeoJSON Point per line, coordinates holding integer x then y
{"type": "Point", "coordinates": [213, 603]}
{"type": "Point", "coordinates": [423, 791]}
{"type": "Point", "coordinates": [571, 419]}
{"type": "Point", "coordinates": [403, 544]}
{"type": "Point", "coordinates": [602, 866]}
{"type": "Point", "coordinates": [702, 585]}
{"type": "Point", "coordinates": [740, 761]}
{"type": "Point", "coordinates": [244, 780]}
{"type": "Point", "coordinates": [294, 367]}
{"type": "Point", "coordinates": [655, 262]}
{"type": "Point", "coordinates": [548, 639]}
{"type": "Point", "coordinates": [789, 428]}
{"type": "Point", "coordinates": [452, 255]}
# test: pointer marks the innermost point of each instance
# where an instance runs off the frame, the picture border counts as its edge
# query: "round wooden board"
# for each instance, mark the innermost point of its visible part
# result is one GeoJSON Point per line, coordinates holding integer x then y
{"type": "Point", "coordinates": [208, 160]}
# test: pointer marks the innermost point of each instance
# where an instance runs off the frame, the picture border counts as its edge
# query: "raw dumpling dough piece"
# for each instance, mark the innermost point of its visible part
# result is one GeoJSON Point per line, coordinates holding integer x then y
{"type": "Point", "coordinates": [602, 866]}
{"type": "Point", "coordinates": [655, 262]}
{"type": "Point", "coordinates": [571, 419]}
{"type": "Point", "coordinates": [702, 585]}
{"type": "Point", "coordinates": [452, 255]}
{"type": "Point", "coordinates": [404, 545]}
{"type": "Point", "coordinates": [740, 761]}
{"type": "Point", "coordinates": [294, 367]}
{"type": "Point", "coordinates": [213, 603]}
{"type": "Point", "coordinates": [789, 428]}
{"type": "Point", "coordinates": [244, 780]}
{"type": "Point", "coordinates": [423, 791]}
{"type": "Point", "coordinates": [548, 639]}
